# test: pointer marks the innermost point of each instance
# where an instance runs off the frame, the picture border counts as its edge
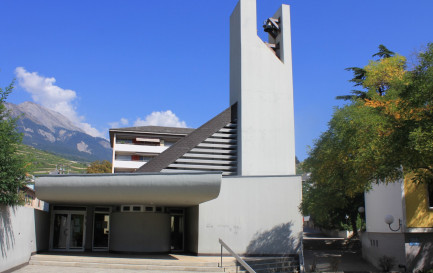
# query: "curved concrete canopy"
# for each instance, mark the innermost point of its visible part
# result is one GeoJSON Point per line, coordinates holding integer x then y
{"type": "Point", "coordinates": [174, 189]}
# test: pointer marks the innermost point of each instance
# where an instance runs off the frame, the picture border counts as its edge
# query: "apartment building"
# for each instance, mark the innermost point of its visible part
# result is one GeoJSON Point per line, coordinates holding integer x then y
{"type": "Point", "coordinates": [134, 146]}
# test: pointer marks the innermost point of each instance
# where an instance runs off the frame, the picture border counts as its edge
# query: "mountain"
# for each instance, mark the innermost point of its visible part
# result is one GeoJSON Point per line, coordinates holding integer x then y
{"type": "Point", "coordinates": [50, 131]}
{"type": "Point", "coordinates": [45, 163]}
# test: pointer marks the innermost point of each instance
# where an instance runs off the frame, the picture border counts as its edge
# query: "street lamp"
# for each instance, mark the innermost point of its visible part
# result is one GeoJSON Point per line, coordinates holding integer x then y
{"type": "Point", "coordinates": [389, 219]}
{"type": "Point", "coordinates": [361, 211]}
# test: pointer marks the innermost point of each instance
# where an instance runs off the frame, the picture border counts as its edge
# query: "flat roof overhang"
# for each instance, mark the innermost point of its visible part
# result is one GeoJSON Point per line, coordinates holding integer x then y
{"type": "Point", "coordinates": [164, 189]}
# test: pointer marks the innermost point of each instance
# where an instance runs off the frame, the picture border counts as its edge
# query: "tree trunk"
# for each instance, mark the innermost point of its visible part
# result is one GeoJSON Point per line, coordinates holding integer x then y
{"type": "Point", "coordinates": [353, 224]}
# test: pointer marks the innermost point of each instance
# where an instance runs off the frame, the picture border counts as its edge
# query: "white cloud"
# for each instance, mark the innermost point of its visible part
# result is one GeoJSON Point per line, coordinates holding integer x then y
{"type": "Point", "coordinates": [163, 118]}
{"type": "Point", "coordinates": [116, 124]}
{"type": "Point", "coordinates": [46, 93]}
{"type": "Point", "coordinates": [124, 121]}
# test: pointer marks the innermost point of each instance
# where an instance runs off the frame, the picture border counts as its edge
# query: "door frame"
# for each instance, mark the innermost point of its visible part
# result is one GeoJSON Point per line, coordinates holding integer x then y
{"type": "Point", "coordinates": [68, 224]}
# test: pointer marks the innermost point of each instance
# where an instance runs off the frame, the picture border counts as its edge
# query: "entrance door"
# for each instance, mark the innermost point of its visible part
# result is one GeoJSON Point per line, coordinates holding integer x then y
{"type": "Point", "coordinates": [68, 231]}
{"type": "Point", "coordinates": [101, 230]}
{"type": "Point", "coordinates": [177, 232]}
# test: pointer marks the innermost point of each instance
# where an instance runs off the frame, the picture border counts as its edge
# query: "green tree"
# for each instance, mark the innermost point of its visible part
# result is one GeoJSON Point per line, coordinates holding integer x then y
{"type": "Point", "coordinates": [330, 208]}
{"type": "Point", "coordinates": [376, 138]}
{"type": "Point", "coordinates": [97, 166]}
{"type": "Point", "coordinates": [361, 74]}
{"type": "Point", "coordinates": [404, 138]}
{"type": "Point", "coordinates": [12, 165]}
{"type": "Point", "coordinates": [415, 110]}
{"type": "Point", "coordinates": [336, 186]}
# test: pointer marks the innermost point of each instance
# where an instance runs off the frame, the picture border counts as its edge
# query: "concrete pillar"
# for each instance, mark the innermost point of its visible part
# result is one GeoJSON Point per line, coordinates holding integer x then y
{"type": "Point", "coordinates": [261, 84]}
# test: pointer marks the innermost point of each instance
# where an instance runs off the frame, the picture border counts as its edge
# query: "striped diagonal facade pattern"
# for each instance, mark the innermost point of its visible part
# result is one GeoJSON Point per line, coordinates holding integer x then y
{"type": "Point", "coordinates": [215, 153]}
{"type": "Point", "coordinates": [211, 147]}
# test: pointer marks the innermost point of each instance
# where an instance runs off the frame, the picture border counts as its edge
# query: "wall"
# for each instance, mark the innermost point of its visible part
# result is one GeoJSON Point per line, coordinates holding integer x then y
{"type": "Point", "coordinates": [380, 201]}
{"type": "Point", "coordinates": [418, 213]}
{"type": "Point", "coordinates": [412, 245]}
{"type": "Point", "coordinates": [376, 245]}
{"type": "Point", "coordinates": [253, 215]}
{"type": "Point", "coordinates": [419, 251]}
{"type": "Point", "coordinates": [42, 229]}
{"type": "Point", "coordinates": [140, 232]}
{"type": "Point", "coordinates": [337, 233]}
{"type": "Point", "coordinates": [191, 229]}
{"type": "Point", "coordinates": [261, 84]}
{"type": "Point", "coordinates": [19, 236]}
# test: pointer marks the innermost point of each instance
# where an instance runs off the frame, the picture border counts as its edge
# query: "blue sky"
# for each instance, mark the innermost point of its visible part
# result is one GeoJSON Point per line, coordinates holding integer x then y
{"type": "Point", "coordinates": [124, 63]}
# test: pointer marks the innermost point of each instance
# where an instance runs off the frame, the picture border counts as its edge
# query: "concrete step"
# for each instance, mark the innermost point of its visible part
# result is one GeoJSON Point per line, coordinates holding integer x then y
{"type": "Point", "coordinates": [167, 268]}
{"type": "Point", "coordinates": [161, 265]}
{"type": "Point", "coordinates": [114, 260]}
{"type": "Point", "coordinates": [277, 264]}
{"type": "Point", "coordinates": [150, 265]}
{"type": "Point", "coordinates": [331, 244]}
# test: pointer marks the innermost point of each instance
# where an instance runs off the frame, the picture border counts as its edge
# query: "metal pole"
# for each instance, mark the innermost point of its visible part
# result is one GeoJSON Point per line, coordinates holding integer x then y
{"type": "Point", "coordinates": [221, 255]}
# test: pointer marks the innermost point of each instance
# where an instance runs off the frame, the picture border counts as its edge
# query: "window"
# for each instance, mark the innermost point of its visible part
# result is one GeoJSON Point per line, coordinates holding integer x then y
{"type": "Point", "coordinates": [69, 208]}
{"type": "Point", "coordinates": [140, 158]}
{"type": "Point", "coordinates": [102, 209]}
{"type": "Point", "coordinates": [140, 208]}
{"type": "Point", "coordinates": [123, 141]}
{"type": "Point", "coordinates": [147, 141]}
{"type": "Point", "coordinates": [149, 209]}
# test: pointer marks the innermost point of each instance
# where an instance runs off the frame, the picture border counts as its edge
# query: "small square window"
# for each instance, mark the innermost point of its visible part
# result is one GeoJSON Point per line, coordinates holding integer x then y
{"type": "Point", "coordinates": [149, 209]}
{"type": "Point", "coordinates": [136, 208]}
{"type": "Point", "coordinates": [126, 208]}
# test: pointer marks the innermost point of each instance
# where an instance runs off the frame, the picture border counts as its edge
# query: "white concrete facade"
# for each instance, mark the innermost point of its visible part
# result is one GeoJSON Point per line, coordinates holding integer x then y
{"type": "Point", "coordinates": [261, 83]}
{"type": "Point", "coordinates": [23, 231]}
{"type": "Point", "coordinates": [381, 200]}
{"type": "Point", "coordinates": [378, 240]}
{"type": "Point", "coordinates": [253, 215]}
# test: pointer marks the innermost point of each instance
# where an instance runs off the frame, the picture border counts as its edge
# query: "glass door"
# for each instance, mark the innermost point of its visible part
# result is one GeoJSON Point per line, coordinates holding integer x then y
{"type": "Point", "coordinates": [68, 231]}
{"type": "Point", "coordinates": [177, 233]}
{"type": "Point", "coordinates": [76, 227]}
{"type": "Point", "coordinates": [60, 230]}
{"type": "Point", "coordinates": [101, 230]}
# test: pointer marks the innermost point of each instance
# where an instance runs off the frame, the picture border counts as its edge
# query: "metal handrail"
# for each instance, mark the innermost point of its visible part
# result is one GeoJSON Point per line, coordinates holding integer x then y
{"type": "Point", "coordinates": [236, 256]}
{"type": "Point", "coordinates": [302, 258]}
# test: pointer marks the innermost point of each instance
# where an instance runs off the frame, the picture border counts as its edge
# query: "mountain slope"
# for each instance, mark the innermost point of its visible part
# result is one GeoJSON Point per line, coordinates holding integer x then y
{"type": "Point", "coordinates": [45, 163]}
{"type": "Point", "coordinates": [50, 131]}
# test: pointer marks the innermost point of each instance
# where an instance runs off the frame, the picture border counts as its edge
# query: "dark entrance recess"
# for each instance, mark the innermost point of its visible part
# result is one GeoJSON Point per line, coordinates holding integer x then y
{"type": "Point", "coordinates": [101, 230]}
{"type": "Point", "coordinates": [177, 232]}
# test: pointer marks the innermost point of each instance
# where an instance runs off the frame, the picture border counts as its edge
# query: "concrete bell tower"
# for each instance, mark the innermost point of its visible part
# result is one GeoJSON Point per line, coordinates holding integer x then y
{"type": "Point", "coordinates": [261, 83]}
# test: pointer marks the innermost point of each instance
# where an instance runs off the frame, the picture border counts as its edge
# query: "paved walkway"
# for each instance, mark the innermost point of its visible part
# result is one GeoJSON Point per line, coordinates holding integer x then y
{"type": "Point", "coordinates": [344, 260]}
{"type": "Point", "coordinates": [324, 252]}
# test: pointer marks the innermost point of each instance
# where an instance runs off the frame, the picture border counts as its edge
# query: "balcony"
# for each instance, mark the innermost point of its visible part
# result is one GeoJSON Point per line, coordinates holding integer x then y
{"type": "Point", "coordinates": [128, 164]}
{"type": "Point", "coordinates": [131, 148]}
